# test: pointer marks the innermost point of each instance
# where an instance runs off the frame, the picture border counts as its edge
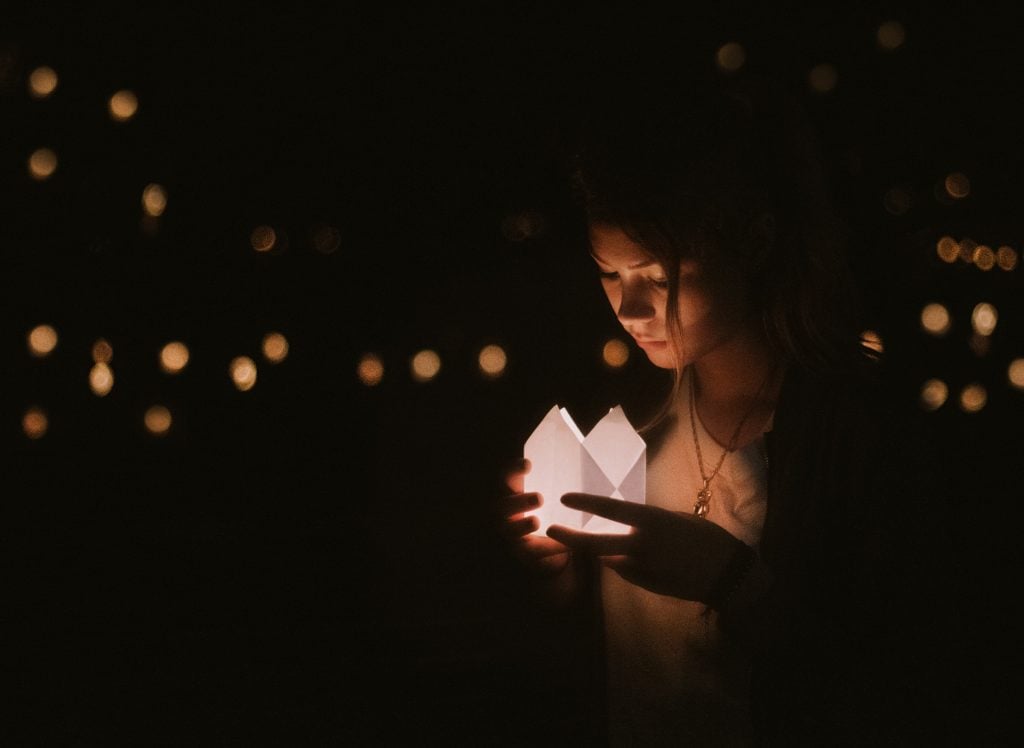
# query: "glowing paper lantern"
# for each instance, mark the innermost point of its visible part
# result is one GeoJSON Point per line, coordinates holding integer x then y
{"type": "Point", "coordinates": [609, 461]}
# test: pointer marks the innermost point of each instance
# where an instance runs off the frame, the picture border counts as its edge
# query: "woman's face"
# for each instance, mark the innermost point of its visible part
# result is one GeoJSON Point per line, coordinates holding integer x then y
{"type": "Point", "coordinates": [710, 305]}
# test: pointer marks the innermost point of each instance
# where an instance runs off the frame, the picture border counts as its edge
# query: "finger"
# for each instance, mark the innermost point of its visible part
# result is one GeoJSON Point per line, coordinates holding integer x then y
{"type": "Point", "coordinates": [515, 473]}
{"type": "Point", "coordinates": [520, 527]}
{"type": "Point", "coordinates": [597, 544]}
{"type": "Point", "coordinates": [626, 512]}
{"type": "Point", "coordinates": [510, 506]}
{"type": "Point", "coordinates": [540, 546]}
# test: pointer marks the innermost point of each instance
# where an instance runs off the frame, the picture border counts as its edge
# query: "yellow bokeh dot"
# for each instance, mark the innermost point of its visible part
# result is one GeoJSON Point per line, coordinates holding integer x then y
{"type": "Point", "coordinates": [984, 257]}
{"type": "Point", "coordinates": [823, 78]}
{"type": "Point", "coordinates": [263, 238]}
{"type": "Point", "coordinates": [35, 423]}
{"type": "Point", "coordinates": [935, 319]}
{"type": "Point", "coordinates": [933, 394]}
{"type": "Point", "coordinates": [891, 35]}
{"type": "Point", "coordinates": [425, 365]}
{"type": "Point", "coordinates": [730, 57]}
{"type": "Point", "coordinates": [154, 200]}
{"type": "Point", "coordinates": [42, 339]}
{"type": "Point", "coordinates": [1007, 258]}
{"type": "Point", "coordinates": [1015, 373]}
{"type": "Point", "coordinates": [42, 164]}
{"type": "Point", "coordinates": [973, 398]}
{"type": "Point", "coordinates": [948, 249]}
{"type": "Point", "coordinates": [871, 339]}
{"type": "Point", "coordinates": [243, 372]}
{"type": "Point", "coordinates": [984, 318]}
{"type": "Point", "coordinates": [370, 370]}
{"type": "Point", "coordinates": [102, 352]}
{"type": "Point", "coordinates": [958, 185]}
{"type": "Point", "coordinates": [42, 82]}
{"type": "Point", "coordinates": [157, 420]}
{"type": "Point", "coordinates": [275, 347]}
{"type": "Point", "coordinates": [615, 353]}
{"type": "Point", "coordinates": [492, 360]}
{"type": "Point", "coordinates": [174, 357]}
{"type": "Point", "coordinates": [123, 105]}
{"type": "Point", "coordinates": [101, 379]}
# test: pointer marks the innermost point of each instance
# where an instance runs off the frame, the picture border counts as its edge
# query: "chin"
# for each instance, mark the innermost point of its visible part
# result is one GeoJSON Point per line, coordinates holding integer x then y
{"type": "Point", "coordinates": [662, 359]}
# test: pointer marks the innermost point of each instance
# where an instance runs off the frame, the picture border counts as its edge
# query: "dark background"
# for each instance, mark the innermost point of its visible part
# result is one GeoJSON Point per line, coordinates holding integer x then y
{"type": "Point", "coordinates": [282, 549]}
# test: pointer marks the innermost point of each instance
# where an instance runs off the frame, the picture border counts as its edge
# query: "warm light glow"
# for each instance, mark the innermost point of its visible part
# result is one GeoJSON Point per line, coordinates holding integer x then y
{"type": "Point", "coordinates": [891, 35]}
{"type": "Point", "coordinates": [730, 57]}
{"type": "Point", "coordinates": [102, 352]}
{"type": "Point", "coordinates": [35, 423]}
{"type": "Point", "coordinates": [101, 379]}
{"type": "Point", "coordinates": [243, 372]}
{"type": "Point", "coordinates": [967, 247]}
{"type": "Point", "coordinates": [897, 201]}
{"type": "Point", "coordinates": [984, 257]}
{"type": "Point", "coordinates": [275, 347]}
{"type": "Point", "coordinates": [42, 82]}
{"type": "Point", "coordinates": [425, 365]}
{"type": "Point", "coordinates": [42, 339]}
{"type": "Point", "coordinates": [326, 239]}
{"type": "Point", "coordinates": [158, 420]}
{"type": "Point", "coordinates": [492, 360]}
{"type": "Point", "coordinates": [123, 106]}
{"type": "Point", "coordinates": [615, 353]}
{"type": "Point", "coordinates": [42, 163]}
{"type": "Point", "coordinates": [935, 319]}
{"type": "Point", "coordinates": [174, 357]}
{"type": "Point", "coordinates": [1015, 373]}
{"type": "Point", "coordinates": [370, 370]}
{"type": "Point", "coordinates": [973, 398]}
{"type": "Point", "coordinates": [948, 249]}
{"type": "Point", "coordinates": [263, 238]}
{"type": "Point", "coordinates": [872, 340]}
{"type": "Point", "coordinates": [154, 200]}
{"type": "Point", "coordinates": [933, 394]}
{"type": "Point", "coordinates": [984, 318]}
{"type": "Point", "coordinates": [1007, 258]}
{"type": "Point", "coordinates": [823, 78]}
{"type": "Point", "coordinates": [958, 185]}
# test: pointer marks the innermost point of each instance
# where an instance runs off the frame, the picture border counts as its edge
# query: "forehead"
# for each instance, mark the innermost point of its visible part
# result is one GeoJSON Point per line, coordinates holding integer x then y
{"type": "Point", "coordinates": [612, 246]}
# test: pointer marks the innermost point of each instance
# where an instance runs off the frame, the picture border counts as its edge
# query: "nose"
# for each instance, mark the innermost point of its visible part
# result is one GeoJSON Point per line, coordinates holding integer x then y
{"type": "Point", "coordinates": [636, 303]}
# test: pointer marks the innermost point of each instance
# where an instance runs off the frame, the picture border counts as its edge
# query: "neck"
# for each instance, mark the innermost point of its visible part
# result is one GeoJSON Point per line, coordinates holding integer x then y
{"type": "Point", "coordinates": [732, 377]}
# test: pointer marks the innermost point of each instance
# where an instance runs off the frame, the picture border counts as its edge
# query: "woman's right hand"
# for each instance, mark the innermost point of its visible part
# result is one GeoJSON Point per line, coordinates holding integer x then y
{"type": "Point", "coordinates": [538, 552]}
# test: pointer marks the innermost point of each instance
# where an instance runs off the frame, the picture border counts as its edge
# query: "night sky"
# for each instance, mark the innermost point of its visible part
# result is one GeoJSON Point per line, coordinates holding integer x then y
{"type": "Point", "coordinates": [232, 579]}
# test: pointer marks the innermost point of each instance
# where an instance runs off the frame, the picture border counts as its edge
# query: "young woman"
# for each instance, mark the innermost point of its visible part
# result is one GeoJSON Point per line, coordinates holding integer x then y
{"type": "Point", "coordinates": [772, 587]}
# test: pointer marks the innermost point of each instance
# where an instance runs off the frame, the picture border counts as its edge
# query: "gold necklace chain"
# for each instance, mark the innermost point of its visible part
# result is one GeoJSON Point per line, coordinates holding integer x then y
{"type": "Point", "coordinates": [700, 507]}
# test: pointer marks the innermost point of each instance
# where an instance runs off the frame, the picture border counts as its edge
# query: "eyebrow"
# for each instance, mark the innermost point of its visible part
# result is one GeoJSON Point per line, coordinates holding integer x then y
{"type": "Point", "coordinates": [634, 266]}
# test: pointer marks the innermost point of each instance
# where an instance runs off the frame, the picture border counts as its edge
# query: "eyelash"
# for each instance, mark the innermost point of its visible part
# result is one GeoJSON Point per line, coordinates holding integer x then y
{"type": "Point", "coordinates": [657, 282]}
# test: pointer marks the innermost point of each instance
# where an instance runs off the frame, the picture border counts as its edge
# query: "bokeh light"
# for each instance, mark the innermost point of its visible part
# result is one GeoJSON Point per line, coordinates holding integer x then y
{"type": "Point", "coordinates": [984, 257]}
{"type": "Point", "coordinates": [243, 372]}
{"type": "Point", "coordinates": [42, 164]}
{"type": "Point", "coordinates": [154, 200]}
{"type": "Point", "coordinates": [42, 82]}
{"type": "Point", "coordinates": [425, 365]}
{"type": "Point", "coordinates": [891, 35]}
{"type": "Point", "coordinates": [935, 319]}
{"type": "Point", "coordinates": [102, 352]}
{"type": "Point", "coordinates": [973, 398]}
{"type": "Point", "coordinates": [1007, 258]}
{"type": "Point", "coordinates": [984, 318]}
{"type": "Point", "coordinates": [957, 185]}
{"type": "Point", "coordinates": [872, 340]}
{"type": "Point", "coordinates": [823, 78]}
{"type": "Point", "coordinates": [174, 357]}
{"type": "Point", "coordinates": [101, 379]}
{"type": "Point", "coordinates": [967, 247]}
{"type": "Point", "coordinates": [42, 339]}
{"type": "Point", "coordinates": [492, 361]}
{"type": "Point", "coordinates": [263, 238]}
{"type": "Point", "coordinates": [157, 420]}
{"type": "Point", "coordinates": [1015, 373]}
{"type": "Point", "coordinates": [615, 353]}
{"type": "Point", "coordinates": [123, 105]}
{"type": "Point", "coordinates": [370, 369]}
{"type": "Point", "coordinates": [948, 249]}
{"type": "Point", "coordinates": [897, 201]}
{"type": "Point", "coordinates": [275, 347]}
{"type": "Point", "coordinates": [35, 423]}
{"type": "Point", "coordinates": [730, 57]}
{"type": "Point", "coordinates": [933, 394]}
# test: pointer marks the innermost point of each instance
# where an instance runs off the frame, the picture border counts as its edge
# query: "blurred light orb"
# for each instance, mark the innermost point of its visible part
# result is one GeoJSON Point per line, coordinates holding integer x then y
{"type": "Point", "coordinates": [123, 105]}
{"type": "Point", "coordinates": [948, 249]}
{"type": "Point", "coordinates": [872, 340]}
{"type": "Point", "coordinates": [101, 379]}
{"type": "Point", "coordinates": [243, 372]}
{"type": "Point", "coordinates": [984, 258]}
{"type": "Point", "coordinates": [973, 398]}
{"type": "Point", "coordinates": [897, 201]}
{"type": "Point", "coordinates": [891, 35]}
{"type": "Point", "coordinates": [730, 57]}
{"type": "Point", "coordinates": [263, 238]}
{"type": "Point", "coordinates": [326, 239]}
{"type": "Point", "coordinates": [35, 423]}
{"type": "Point", "coordinates": [42, 339]}
{"type": "Point", "coordinates": [958, 186]}
{"type": "Point", "coordinates": [370, 370]}
{"type": "Point", "coordinates": [425, 365]}
{"type": "Point", "coordinates": [984, 318]}
{"type": "Point", "coordinates": [42, 164]}
{"type": "Point", "coordinates": [157, 420]}
{"type": "Point", "coordinates": [935, 319]}
{"type": "Point", "coordinates": [154, 200]}
{"type": "Point", "coordinates": [967, 247]}
{"type": "Point", "coordinates": [934, 393]}
{"type": "Point", "coordinates": [1015, 373]}
{"type": "Point", "coordinates": [615, 353]}
{"type": "Point", "coordinates": [492, 361]}
{"type": "Point", "coordinates": [275, 347]}
{"type": "Point", "coordinates": [1007, 258]}
{"type": "Point", "coordinates": [174, 357]}
{"type": "Point", "coordinates": [823, 78]}
{"type": "Point", "coordinates": [42, 82]}
{"type": "Point", "coordinates": [102, 352]}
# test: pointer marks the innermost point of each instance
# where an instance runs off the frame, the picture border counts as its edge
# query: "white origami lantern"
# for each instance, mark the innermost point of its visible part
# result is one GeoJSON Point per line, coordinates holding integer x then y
{"type": "Point", "coordinates": [609, 461]}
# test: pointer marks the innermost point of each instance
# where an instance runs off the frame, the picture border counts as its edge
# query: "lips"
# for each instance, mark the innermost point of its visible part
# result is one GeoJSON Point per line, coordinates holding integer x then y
{"type": "Point", "coordinates": [650, 343]}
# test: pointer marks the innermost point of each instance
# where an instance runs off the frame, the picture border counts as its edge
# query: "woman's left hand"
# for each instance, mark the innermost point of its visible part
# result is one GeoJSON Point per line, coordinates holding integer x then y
{"type": "Point", "coordinates": [670, 553]}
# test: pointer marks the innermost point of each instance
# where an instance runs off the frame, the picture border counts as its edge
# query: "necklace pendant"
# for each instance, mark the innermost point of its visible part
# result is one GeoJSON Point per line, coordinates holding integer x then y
{"type": "Point", "coordinates": [700, 508]}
